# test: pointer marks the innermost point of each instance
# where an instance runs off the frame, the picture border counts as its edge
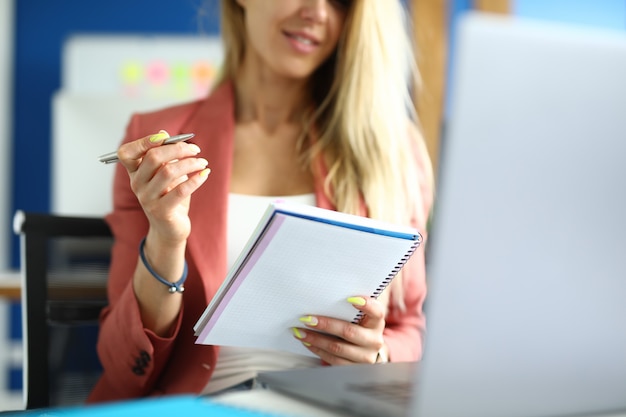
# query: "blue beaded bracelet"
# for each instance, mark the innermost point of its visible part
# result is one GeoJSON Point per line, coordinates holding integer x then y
{"type": "Point", "coordinates": [174, 286]}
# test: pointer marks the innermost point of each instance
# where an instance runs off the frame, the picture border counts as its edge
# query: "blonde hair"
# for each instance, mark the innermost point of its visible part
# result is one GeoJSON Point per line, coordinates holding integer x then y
{"type": "Point", "coordinates": [364, 113]}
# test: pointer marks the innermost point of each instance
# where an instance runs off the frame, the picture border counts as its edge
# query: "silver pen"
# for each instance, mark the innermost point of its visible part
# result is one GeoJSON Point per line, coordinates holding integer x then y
{"type": "Point", "coordinates": [111, 157]}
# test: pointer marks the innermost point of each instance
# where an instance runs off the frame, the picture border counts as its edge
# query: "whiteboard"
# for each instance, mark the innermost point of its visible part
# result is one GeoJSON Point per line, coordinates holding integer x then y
{"type": "Point", "coordinates": [105, 79]}
{"type": "Point", "coordinates": [134, 66]}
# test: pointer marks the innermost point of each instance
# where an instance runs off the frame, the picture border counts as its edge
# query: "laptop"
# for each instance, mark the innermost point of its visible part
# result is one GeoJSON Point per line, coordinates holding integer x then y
{"type": "Point", "coordinates": [527, 253]}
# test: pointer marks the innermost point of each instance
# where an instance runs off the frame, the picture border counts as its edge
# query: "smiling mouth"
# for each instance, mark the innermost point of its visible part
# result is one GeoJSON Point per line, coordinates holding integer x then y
{"type": "Point", "coordinates": [301, 39]}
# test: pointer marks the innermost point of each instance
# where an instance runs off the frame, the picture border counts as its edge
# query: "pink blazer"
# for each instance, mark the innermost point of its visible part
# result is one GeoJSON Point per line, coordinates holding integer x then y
{"type": "Point", "coordinates": [137, 362]}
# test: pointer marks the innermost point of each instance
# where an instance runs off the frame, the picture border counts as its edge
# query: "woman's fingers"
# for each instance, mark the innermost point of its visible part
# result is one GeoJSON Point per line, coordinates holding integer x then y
{"type": "Point", "coordinates": [163, 179]}
{"type": "Point", "coordinates": [157, 170]}
{"type": "Point", "coordinates": [131, 154]}
{"type": "Point", "coordinates": [373, 319]}
{"type": "Point", "coordinates": [333, 350]}
{"type": "Point", "coordinates": [155, 158]}
{"type": "Point", "coordinates": [169, 175]}
{"type": "Point", "coordinates": [185, 188]}
{"type": "Point", "coordinates": [148, 151]}
{"type": "Point", "coordinates": [340, 342]}
{"type": "Point", "coordinates": [372, 309]}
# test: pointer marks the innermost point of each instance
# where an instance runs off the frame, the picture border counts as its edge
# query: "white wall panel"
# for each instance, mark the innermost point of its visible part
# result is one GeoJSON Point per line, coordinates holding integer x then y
{"type": "Point", "coordinates": [6, 57]}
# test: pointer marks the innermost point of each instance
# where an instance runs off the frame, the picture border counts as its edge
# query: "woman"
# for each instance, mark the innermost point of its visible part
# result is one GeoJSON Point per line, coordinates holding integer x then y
{"type": "Point", "coordinates": [313, 107]}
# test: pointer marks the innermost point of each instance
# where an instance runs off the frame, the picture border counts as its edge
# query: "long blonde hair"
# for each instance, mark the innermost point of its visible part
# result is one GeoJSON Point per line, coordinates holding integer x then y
{"type": "Point", "coordinates": [364, 112]}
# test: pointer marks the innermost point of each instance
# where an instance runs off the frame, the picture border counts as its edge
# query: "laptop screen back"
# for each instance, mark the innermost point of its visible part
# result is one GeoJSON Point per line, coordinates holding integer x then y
{"type": "Point", "coordinates": [527, 255]}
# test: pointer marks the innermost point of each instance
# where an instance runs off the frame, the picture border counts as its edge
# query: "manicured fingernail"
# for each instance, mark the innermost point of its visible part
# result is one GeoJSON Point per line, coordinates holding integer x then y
{"type": "Point", "coordinates": [205, 172]}
{"type": "Point", "coordinates": [309, 320]}
{"type": "Point", "coordinates": [194, 148]}
{"type": "Point", "coordinates": [307, 344]}
{"type": "Point", "coordinates": [298, 333]}
{"type": "Point", "coordinates": [159, 136]}
{"type": "Point", "coordinates": [357, 301]}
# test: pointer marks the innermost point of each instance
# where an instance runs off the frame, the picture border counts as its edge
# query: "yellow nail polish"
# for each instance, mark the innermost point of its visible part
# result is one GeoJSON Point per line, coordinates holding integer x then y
{"type": "Point", "coordinates": [205, 172]}
{"type": "Point", "coordinates": [309, 320]}
{"type": "Point", "coordinates": [307, 344]}
{"type": "Point", "coordinates": [159, 136]}
{"type": "Point", "coordinates": [298, 333]}
{"type": "Point", "coordinates": [357, 301]}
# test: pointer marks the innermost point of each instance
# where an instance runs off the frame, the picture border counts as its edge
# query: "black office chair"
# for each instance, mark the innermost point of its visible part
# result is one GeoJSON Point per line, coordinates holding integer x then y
{"type": "Point", "coordinates": [64, 266]}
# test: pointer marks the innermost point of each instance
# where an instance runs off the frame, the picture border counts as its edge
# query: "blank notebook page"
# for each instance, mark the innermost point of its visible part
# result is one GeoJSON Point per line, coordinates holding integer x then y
{"type": "Point", "coordinates": [303, 267]}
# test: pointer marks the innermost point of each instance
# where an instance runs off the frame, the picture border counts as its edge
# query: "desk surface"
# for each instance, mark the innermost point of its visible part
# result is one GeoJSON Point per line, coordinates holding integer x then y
{"type": "Point", "coordinates": [69, 286]}
{"type": "Point", "coordinates": [259, 402]}
{"type": "Point", "coordinates": [10, 286]}
{"type": "Point", "coordinates": [273, 402]}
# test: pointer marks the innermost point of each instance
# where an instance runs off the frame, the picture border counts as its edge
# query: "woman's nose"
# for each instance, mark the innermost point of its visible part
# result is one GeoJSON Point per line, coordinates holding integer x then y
{"type": "Point", "coordinates": [315, 10]}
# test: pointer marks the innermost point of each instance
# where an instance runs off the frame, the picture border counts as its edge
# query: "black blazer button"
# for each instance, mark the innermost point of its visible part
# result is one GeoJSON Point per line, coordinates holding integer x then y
{"type": "Point", "coordinates": [145, 356]}
{"type": "Point", "coordinates": [141, 362]}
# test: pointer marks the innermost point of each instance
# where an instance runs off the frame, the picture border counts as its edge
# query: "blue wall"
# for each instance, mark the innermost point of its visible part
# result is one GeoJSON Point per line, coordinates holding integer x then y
{"type": "Point", "coordinates": [41, 27]}
{"type": "Point", "coordinates": [602, 13]}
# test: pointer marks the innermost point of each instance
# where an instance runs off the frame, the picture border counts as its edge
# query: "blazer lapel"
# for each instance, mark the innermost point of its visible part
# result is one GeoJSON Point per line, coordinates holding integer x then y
{"type": "Point", "coordinates": [213, 125]}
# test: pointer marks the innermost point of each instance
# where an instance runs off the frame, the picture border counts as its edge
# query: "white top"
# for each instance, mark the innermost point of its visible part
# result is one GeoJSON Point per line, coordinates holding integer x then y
{"type": "Point", "coordinates": [236, 364]}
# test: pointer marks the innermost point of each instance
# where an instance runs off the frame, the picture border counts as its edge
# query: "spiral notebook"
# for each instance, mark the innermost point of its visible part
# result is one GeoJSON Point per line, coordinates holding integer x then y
{"type": "Point", "coordinates": [302, 260]}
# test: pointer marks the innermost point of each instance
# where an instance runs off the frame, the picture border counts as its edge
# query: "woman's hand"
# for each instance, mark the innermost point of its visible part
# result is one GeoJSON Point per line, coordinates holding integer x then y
{"type": "Point", "coordinates": [344, 342]}
{"type": "Point", "coordinates": [163, 179]}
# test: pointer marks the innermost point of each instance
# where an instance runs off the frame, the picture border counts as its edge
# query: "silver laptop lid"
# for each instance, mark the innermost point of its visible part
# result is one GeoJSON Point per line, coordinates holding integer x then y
{"type": "Point", "coordinates": [527, 257]}
{"type": "Point", "coordinates": [363, 390]}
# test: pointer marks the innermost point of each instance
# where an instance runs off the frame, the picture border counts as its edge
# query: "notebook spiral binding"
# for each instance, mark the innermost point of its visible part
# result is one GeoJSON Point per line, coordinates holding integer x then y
{"type": "Point", "coordinates": [392, 274]}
